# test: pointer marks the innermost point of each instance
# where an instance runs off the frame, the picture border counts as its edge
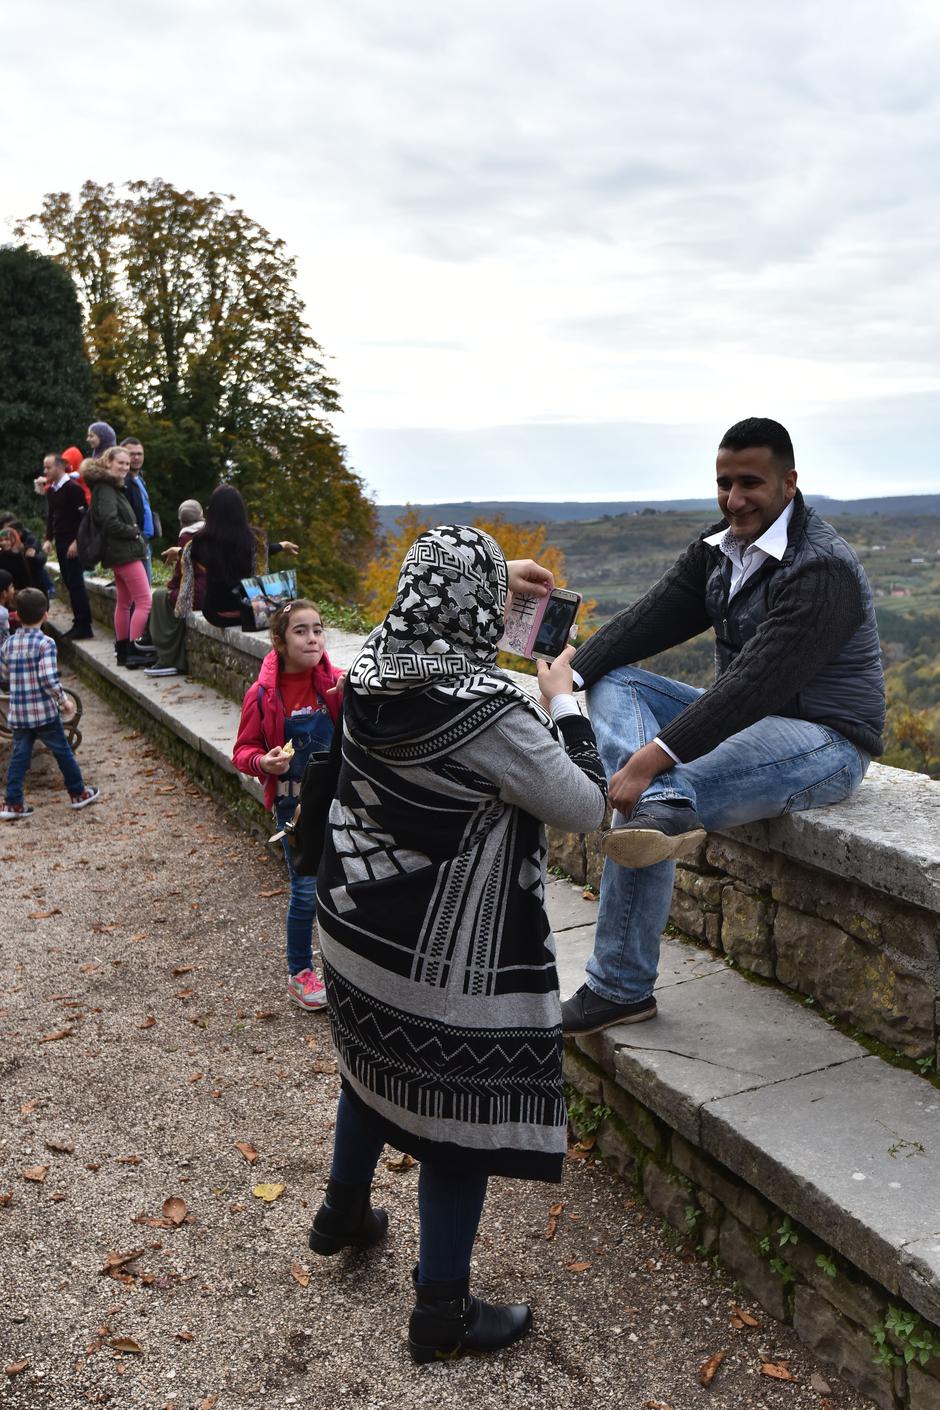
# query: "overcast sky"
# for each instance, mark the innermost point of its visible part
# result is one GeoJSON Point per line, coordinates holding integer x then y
{"type": "Point", "coordinates": [553, 250]}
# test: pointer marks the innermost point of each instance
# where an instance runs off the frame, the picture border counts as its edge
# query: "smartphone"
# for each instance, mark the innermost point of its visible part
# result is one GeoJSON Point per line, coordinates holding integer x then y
{"type": "Point", "coordinates": [540, 626]}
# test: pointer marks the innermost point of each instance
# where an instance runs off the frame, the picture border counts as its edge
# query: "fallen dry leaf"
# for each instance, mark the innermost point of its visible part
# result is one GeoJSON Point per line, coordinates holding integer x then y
{"type": "Point", "coordinates": [589, 894]}
{"type": "Point", "coordinates": [269, 1193]}
{"type": "Point", "coordinates": [184, 1336]}
{"type": "Point", "coordinates": [300, 1275]}
{"type": "Point", "coordinates": [777, 1371]}
{"type": "Point", "coordinates": [101, 929]}
{"type": "Point", "coordinates": [6, 1198]}
{"type": "Point", "coordinates": [126, 1344]}
{"type": "Point", "coordinates": [554, 1214]}
{"type": "Point", "coordinates": [323, 1066]}
{"type": "Point", "coordinates": [209, 1403]}
{"type": "Point", "coordinates": [29, 1107]}
{"type": "Point", "coordinates": [185, 994]}
{"type": "Point", "coordinates": [36, 1173]}
{"type": "Point", "coordinates": [656, 1405]}
{"type": "Point", "coordinates": [247, 1150]}
{"type": "Point", "coordinates": [182, 969]}
{"type": "Point", "coordinates": [175, 1209]}
{"type": "Point", "coordinates": [706, 1372]}
{"type": "Point", "coordinates": [60, 1147]}
{"type": "Point", "coordinates": [133, 1159]}
{"type": "Point", "coordinates": [148, 1022]}
{"type": "Point", "coordinates": [740, 1318]}
{"type": "Point", "coordinates": [87, 968]}
{"type": "Point", "coordinates": [44, 915]}
{"type": "Point", "coordinates": [580, 1265]}
{"type": "Point", "coordinates": [54, 1037]}
{"type": "Point", "coordinates": [278, 891]}
{"type": "Point", "coordinates": [13, 1368]}
{"type": "Point", "coordinates": [401, 1161]}
{"type": "Point", "coordinates": [115, 1261]}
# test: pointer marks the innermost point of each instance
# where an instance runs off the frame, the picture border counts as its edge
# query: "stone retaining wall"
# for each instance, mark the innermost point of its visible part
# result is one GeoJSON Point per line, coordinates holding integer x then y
{"type": "Point", "coordinates": [842, 1315]}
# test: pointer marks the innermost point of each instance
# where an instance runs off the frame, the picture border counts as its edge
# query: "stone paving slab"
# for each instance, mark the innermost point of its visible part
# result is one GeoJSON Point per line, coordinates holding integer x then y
{"type": "Point", "coordinates": [715, 1037]}
{"type": "Point", "coordinates": [854, 1152]}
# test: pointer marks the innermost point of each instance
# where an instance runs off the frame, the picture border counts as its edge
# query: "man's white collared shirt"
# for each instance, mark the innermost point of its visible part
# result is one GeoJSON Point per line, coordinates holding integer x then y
{"type": "Point", "coordinates": [746, 560]}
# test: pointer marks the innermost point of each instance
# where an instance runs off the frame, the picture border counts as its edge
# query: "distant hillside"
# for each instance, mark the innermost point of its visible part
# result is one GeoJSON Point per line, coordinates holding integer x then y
{"type": "Point", "coordinates": [573, 511]}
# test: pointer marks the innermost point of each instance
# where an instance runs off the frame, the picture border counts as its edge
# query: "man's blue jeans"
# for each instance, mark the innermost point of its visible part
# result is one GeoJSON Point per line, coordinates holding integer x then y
{"type": "Point", "coordinates": [53, 737]}
{"type": "Point", "coordinates": [774, 767]}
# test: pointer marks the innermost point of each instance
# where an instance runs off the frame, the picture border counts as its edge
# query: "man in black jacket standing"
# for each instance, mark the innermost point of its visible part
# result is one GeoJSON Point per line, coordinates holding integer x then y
{"type": "Point", "coordinates": [791, 722]}
{"type": "Point", "coordinates": [65, 505]}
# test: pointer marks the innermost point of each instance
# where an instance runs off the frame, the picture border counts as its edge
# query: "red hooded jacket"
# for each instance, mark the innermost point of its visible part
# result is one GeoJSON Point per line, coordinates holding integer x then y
{"type": "Point", "coordinates": [73, 459]}
{"type": "Point", "coordinates": [262, 723]}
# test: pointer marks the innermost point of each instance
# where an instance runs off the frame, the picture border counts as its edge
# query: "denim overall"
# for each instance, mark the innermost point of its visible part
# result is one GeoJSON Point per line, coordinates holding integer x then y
{"type": "Point", "coordinates": [310, 732]}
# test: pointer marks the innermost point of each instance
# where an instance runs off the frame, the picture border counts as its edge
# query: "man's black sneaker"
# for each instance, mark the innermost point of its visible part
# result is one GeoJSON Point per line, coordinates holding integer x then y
{"type": "Point", "coordinates": [657, 832]}
{"type": "Point", "coordinates": [79, 634]}
{"type": "Point", "coordinates": [586, 1012]}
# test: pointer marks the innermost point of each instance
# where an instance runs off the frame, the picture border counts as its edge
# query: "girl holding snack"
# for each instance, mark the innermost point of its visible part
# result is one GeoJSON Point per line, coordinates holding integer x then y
{"type": "Point", "coordinates": [287, 714]}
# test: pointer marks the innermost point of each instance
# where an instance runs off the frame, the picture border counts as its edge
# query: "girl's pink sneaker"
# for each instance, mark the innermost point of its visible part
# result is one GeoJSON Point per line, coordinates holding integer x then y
{"type": "Point", "coordinates": [307, 989]}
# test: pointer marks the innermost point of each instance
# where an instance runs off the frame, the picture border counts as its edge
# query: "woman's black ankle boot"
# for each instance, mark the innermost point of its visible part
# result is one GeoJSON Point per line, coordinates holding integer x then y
{"type": "Point", "coordinates": [120, 651]}
{"type": "Point", "coordinates": [346, 1219]}
{"type": "Point", "coordinates": [447, 1322]}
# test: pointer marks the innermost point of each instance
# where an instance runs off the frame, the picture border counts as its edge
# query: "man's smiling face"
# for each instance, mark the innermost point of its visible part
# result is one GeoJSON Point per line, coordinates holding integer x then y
{"type": "Point", "coordinates": [752, 492]}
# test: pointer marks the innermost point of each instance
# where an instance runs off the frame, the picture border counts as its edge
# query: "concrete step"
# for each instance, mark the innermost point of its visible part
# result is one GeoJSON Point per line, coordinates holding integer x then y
{"type": "Point", "coordinates": [844, 1142]}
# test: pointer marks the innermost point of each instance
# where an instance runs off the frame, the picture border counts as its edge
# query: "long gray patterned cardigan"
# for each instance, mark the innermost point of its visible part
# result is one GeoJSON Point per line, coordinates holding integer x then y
{"type": "Point", "coordinates": [438, 955]}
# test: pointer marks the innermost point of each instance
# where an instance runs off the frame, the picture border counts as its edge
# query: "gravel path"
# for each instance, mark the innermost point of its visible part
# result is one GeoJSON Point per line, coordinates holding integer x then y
{"type": "Point", "coordinates": [144, 1031]}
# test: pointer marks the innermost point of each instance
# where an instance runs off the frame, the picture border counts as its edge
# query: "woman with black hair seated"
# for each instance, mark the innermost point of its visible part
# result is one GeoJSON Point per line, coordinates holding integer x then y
{"type": "Point", "coordinates": [229, 548]}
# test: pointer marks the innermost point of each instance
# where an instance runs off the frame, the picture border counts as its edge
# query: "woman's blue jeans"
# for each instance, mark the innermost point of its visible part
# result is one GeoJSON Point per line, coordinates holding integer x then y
{"type": "Point", "coordinates": [53, 737]}
{"type": "Point", "coordinates": [302, 905]}
{"type": "Point", "coordinates": [776, 766]}
{"type": "Point", "coordinates": [449, 1202]}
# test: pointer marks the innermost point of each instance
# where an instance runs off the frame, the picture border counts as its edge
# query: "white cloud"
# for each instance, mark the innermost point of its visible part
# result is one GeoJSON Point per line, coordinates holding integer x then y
{"type": "Point", "coordinates": [541, 230]}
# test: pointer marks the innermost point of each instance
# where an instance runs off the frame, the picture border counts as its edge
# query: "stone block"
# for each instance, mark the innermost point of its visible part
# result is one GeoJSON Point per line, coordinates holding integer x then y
{"type": "Point", "coordinates": [862, 1302]}
{"type": "Point", "coordinates": [687, 914]}
{"type": "Point", "coordinates": [713, 929]}
{"type": "Point", "coordinates": [617, 1151]}
{"type": "Point", "coordinates": [705, 889]}
{"type": "Point", "coordinates": [666, 1196]}
{"type": "Point", "coordinates": [856, 981]}
{"type": "Point", "coordinates": [715, 1036]}
{"type": "Point", "coordinates": [847, 1348]}
{"type": "Point", "coordinates": [737, 1251]}
{"type": "Point", "coordinates": [746, 923]}
{"type": "Point", "coordinates": [920, 1276]}
{"type": "Point", "coordinates": [742, 863]}
{"type": "Point", "coordinates": [735, 1196]}
{"type": "Point", "coordinates": [567, 907]}
{"type": "Point", "coordinates": [566, 850]}
{"type": "Point", "coordinates": [923, 1390]}
{"type": "Point", "coordinates": [638, 1120]}
{"type": "Point", "coordinates": [853, 1152]}
{"type": "Point", "coordinates": [583, 1078]}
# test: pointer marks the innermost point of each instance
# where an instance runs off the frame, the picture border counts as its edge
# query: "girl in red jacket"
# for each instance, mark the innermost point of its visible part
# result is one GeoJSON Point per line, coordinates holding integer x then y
{"type": "Point", "coordinates": [295, 699]}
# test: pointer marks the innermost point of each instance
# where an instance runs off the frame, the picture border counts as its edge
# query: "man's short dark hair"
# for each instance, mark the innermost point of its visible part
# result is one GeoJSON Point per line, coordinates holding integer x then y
{"type": "Point", "coordinates": [31, 606]}
{"type": "Point", "coordinates": [757, 431]}
{"type": "Point", "coordinates": [6, 579]}
{"type": "Point", "coordinates": [132, 441]}
{"type": "Point", "coordinates": [58, 462]}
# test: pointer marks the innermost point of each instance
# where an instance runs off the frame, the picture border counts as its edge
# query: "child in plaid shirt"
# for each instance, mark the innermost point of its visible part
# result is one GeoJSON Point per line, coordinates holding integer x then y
{"type": "Point", "coordinates": [29, 670]}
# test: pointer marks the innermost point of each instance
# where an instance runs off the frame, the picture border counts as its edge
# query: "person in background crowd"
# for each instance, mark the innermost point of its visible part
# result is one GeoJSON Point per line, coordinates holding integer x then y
{"type": "Point", "coordinates": [100, 438]}
{"type": "Point", "coordinates": [167, 627]}
{"type": "Point", "coordinates": [73, 459]}
{"type": "Point", "coordinates": [229, 549]}
{"type": "Point", "coordinates": [296, 699]}
{"type": "Point", "coordinates": [7, 594]}
{"type": "Point", "coordinates": [136, 490]}
{"type": "Point", "coordinates": [20, 553]}
{"type": "Point", "coordinates": [29, 671]}
{"type": "Point", "coordinates": [123, 551]}
{"type": "Point", "coordinates": [65, 505]}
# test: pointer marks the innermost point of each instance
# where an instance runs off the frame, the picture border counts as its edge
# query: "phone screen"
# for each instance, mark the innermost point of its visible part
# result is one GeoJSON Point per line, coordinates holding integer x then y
{"type": "Point", "coordinates": [553, 632]}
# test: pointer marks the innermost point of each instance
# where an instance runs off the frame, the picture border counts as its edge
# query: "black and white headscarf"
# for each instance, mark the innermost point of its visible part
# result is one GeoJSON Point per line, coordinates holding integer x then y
{"type": "Point", "coordinates": [444, 625]}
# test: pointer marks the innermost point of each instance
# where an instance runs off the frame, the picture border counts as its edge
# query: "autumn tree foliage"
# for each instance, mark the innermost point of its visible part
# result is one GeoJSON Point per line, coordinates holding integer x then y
{"type": "Point", "coordinates": [45, 380]}
{"type": "Point", "coordinates": [199, 344]}
{"type": "Point", "coordinates": [380, 580]}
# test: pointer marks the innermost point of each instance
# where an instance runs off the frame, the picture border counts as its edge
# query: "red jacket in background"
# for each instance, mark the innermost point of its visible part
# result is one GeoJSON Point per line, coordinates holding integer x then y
{"type": "Point", "coordinates": [262, 723]}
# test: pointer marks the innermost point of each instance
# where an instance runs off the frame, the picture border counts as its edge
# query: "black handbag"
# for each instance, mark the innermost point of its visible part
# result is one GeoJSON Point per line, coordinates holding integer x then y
{"type": "Point", "coordinates": [306, 830]}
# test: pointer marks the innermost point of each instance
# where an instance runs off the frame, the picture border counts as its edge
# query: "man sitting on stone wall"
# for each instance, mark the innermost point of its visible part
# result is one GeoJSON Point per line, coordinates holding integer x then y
{"type": "Point", "coordinates": [791, 722]}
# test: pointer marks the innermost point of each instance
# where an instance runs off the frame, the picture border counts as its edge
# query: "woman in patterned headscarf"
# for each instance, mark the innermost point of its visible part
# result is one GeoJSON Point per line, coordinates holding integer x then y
{"type": "Point", "coordinates": [437, 952]}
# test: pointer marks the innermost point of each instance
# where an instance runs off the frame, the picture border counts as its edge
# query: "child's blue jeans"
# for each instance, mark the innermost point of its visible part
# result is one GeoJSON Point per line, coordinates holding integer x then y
{"type": "Point", "coordinates": [302, 906]}
{"type": "Point", "coordinates": [53, 737]}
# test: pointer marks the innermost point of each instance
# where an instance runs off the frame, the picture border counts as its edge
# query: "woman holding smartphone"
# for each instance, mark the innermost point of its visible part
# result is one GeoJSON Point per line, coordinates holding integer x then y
{"type": "Point", "coordinates": [437, 952]}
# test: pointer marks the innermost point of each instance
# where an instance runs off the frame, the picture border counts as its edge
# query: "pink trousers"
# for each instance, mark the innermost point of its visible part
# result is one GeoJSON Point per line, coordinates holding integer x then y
{"type": "Point", "coordinates": [133, 600]}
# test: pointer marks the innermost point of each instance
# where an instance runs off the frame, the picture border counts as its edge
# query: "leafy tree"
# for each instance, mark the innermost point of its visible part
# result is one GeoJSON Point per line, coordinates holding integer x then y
{"type": "Point", "coordinates": [199, 345]}
{"type": "Point", "coordinates": [45, 383]}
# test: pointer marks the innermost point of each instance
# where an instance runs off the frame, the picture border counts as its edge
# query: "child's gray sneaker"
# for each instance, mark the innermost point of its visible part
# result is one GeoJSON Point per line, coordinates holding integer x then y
{"type": "Point", "coordinates": [11, 811]}
{"type": "Point", "coordinates": [87, 795]}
